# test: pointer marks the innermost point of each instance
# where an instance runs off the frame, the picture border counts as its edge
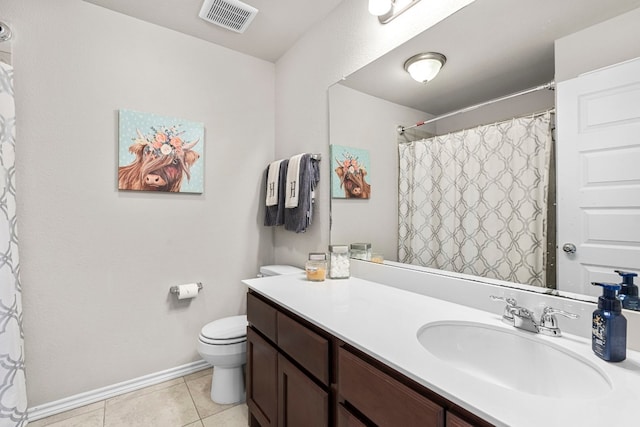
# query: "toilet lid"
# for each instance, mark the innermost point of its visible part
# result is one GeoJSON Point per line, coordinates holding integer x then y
{"type": "Point", "coordinates": [228, 328]}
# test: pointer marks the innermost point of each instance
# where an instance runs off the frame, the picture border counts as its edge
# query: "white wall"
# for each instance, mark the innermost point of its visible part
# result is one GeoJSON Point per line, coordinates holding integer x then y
{"type": "Point", "coordinates": [346, 40]}
{"type": "Point", "coordinates": [364, 121]}
{"type": "Point", "coordinates": [607, 43]}
{"type": "Point", "coordinates": [96, 263]}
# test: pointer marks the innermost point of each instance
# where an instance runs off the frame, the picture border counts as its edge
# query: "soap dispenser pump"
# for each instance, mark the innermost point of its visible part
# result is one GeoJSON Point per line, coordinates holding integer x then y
{"type": "Point", "coordinates": [629, 292]}
{"type": "Point", "coordinates": [609, 326]}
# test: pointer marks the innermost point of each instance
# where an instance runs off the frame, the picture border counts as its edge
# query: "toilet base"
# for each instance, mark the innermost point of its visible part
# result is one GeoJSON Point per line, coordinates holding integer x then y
{"type": "Point", "coordinates": [227, 385]}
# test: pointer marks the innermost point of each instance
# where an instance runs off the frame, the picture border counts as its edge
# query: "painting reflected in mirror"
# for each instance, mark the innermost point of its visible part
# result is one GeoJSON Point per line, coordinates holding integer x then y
{"type": "Point", "coordinates": [523, 190]}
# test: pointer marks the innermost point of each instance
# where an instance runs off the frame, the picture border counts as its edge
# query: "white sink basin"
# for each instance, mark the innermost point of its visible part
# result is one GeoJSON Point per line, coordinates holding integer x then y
{"type": "Point", "coordinates": [513, 359]}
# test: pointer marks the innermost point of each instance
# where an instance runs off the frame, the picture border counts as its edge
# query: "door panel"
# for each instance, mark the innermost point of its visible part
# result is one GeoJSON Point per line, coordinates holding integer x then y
{"type": "Point", "coordinates": [599, 176]}
{"type": "Point", "coordinates": [301, 403]}
{"type": "Point", "coordinates": [262, 379]}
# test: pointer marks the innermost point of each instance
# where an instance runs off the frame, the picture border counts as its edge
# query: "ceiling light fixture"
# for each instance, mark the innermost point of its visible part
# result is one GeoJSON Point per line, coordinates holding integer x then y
{"type": "Point", "coordinates": [423, 67]}
{"type": "Point", "coordinates": [379, 7]}
{"type": "Point", "coordinates": [386, 10]}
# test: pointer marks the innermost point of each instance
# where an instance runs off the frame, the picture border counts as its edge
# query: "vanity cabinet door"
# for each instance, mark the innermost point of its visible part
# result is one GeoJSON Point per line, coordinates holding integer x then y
{"type": "Point", "coordinates": [347, 419]}
{"type": "Point", "coordinates": [301, 402]}
{"type": "Point", "coordinates": [381, 398]}
{"type": "Point", "coordinates": [262, 380]}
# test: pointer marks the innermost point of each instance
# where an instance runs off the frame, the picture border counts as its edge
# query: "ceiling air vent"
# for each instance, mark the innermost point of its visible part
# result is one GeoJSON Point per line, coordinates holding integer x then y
{"type": "Point", "coordinates": [230, 14]}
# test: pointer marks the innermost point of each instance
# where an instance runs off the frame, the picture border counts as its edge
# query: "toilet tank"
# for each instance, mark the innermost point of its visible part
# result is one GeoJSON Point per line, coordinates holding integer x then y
{"type": "Point", "coordinates": [277, 270]}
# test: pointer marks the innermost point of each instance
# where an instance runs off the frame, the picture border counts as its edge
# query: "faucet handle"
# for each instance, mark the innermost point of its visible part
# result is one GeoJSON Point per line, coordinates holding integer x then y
{"type": "Point", "coordinates": [507, 316]}
{"type": "Point", "coordinates": [549, 323]}
{"type": "Point", "coordinates": [510, 301]}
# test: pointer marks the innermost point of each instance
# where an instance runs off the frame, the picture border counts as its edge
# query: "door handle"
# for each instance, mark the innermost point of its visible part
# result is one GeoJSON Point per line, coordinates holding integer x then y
{"type": "Point", "coordinates": [569, 248]}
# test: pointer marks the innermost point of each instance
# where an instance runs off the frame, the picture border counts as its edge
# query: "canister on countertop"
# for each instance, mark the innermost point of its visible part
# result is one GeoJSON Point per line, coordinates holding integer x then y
{"type": "Point", "coordinates": [316, 266]}
{"type": "Point", "coordinates": [361, 251]}
{"type": "Point", "coordinates": [379, 258]}
{"type": "Point", "coordinates": [339, 261]}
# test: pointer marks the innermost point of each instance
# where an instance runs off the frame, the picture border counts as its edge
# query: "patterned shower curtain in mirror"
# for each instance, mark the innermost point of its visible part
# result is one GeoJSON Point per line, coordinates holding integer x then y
{"type": "Point", "coordinates": [475, 201]}
{"type": "Point", "coordinates": [13, 395]}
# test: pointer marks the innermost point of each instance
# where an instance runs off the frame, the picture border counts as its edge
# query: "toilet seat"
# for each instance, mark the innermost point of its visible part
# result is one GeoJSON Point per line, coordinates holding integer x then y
{"type": "Point", "coordinates": [221, 342]}
{"type": "Point", "coordinates": [226, 331]}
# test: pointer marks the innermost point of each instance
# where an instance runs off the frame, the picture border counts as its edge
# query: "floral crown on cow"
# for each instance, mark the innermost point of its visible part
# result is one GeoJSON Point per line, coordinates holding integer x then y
{"type": "Point", "coordinates": [164, 141]}
{"type": "Point", "coordinates": [349, 164]}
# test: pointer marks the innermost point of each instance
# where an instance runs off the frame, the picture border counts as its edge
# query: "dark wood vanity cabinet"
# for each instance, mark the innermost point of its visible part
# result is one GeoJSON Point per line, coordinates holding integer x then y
{"type": "Point", "coordinates": [262, 380]}
{"type": "Point", "coordinates": [370, 393]}
{"type": "Point", "coordinates": [455, 421]}
{"type": "Point", "coordinates": [301, 401]}
{"type": "Point", "coordinates": [301, 376]}
{"type": "Point", "coordinates": [287, 369]}
{"type": "Point", "coordinates": [382, 399]}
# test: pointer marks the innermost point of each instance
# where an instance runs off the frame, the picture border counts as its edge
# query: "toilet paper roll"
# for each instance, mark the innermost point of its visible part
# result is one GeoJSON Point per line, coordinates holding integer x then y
{"type": "Point", "coordinates": [188, 290]}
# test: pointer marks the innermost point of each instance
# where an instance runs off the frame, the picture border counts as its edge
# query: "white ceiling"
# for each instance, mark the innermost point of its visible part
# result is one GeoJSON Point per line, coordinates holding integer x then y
{"type": "Point", "coordinates": [276, 27]}
{"type": "Point", "coordinates": [493, 48]}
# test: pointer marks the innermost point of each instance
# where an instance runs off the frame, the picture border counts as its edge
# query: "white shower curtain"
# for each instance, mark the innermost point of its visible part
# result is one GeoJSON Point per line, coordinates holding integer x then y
{"type": "Point", "coordinates": [475, 201]}
{"type": "Point", "coordinates": [13, 395]}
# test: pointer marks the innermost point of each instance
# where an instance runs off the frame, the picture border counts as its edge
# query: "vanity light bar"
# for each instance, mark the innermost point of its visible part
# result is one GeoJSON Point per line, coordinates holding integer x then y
{"type": "Point", "coordinates": [397, 8]}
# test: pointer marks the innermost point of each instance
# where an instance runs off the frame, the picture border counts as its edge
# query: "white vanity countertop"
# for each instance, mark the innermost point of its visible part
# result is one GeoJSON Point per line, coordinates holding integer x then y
{"type": "Point", "coordinates": [383, 322]}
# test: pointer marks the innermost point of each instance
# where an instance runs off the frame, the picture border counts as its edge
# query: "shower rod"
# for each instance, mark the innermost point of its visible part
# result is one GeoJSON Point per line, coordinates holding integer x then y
{"type": "Point", "coordinates": [550, 85]}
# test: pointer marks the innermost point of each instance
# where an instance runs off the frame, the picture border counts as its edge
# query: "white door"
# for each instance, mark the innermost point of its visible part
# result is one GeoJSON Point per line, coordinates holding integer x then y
{"type": "Point", "coordinates": [598, 160]}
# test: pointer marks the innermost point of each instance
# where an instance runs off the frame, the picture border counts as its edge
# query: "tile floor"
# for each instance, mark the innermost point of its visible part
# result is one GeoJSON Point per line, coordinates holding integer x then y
{"type": "Point", "coordinates": [182, 402]}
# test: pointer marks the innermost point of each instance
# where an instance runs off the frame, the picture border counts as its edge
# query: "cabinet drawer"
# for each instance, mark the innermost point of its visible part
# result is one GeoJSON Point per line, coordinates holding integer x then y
{"type": "Point", "coordinates": [382, 399]}
{"type": "Point", "coordinates": [262, 316]}
{"type": "Point", "coordinates": [306, 347]}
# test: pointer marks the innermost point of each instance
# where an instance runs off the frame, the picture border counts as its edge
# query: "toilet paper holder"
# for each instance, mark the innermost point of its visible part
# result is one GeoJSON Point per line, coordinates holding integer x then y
{"type": "Point", "coordinates": [175, 289]}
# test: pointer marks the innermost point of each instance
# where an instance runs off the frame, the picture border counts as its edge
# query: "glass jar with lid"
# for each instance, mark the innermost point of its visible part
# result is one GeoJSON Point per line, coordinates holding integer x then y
{"type": "Point", "coordinates": [339, 261]}
{"type": "Point", "coordinates": [361, 251]}
{"type": "Point", "coordinates": [316, 266]}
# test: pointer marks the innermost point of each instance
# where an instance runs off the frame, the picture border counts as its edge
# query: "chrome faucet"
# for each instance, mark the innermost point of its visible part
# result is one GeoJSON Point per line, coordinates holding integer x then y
{"type": "Point", "coordinates": [523, 318]}
{"type": "Point", "coordinates": [549, 323]}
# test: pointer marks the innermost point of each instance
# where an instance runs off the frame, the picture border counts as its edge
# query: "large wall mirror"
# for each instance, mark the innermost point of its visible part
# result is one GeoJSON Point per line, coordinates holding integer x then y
{"type": "Point", "coordinates": [493, 49]}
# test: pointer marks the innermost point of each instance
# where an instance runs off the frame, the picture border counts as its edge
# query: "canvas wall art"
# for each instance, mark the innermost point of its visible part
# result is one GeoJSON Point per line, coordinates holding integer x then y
{"type": "Point", "coordinates": [350, 173]}
{"type": "Point", "coordinates": [158, 153]}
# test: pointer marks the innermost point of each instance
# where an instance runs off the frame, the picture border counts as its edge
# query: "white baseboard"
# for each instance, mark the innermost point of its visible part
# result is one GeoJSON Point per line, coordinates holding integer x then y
{"type": "Point", "coordinates": [82, 399]}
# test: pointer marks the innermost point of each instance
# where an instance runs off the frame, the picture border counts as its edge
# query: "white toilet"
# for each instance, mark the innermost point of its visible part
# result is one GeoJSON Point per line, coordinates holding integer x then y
{"type": "Point", "coordinates": [223, 343]}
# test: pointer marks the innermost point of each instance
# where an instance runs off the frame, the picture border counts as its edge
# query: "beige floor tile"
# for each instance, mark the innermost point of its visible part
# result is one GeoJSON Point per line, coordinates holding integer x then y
{"type": "Point", "coordinates": [233, 417]}
{"type": "Point", "coordinates": [196, 424]}
{"type": "Point", "coordinates": [200, 389]}
{"type": "Point", "coordinates": [68, 414]}
{"type": "Point", "coordinates": [89, 419]}
{"type": "Point", "coordinates": [167, 407]}
{"type": "Point", "coordinates": [198, 374]}
{"type": "Point", "coordinates": [146, 390]}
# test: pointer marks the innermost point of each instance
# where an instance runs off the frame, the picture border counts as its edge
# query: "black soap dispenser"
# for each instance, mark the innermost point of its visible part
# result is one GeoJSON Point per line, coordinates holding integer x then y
{"type": "Point", "coordinates": [609, 326]}
{"type": "Point", "coordinates": [629, 292]}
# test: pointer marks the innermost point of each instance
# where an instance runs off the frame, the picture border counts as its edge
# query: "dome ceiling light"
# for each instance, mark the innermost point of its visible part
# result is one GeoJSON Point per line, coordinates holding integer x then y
{"type": "Point", "coordinates": [423, 67]}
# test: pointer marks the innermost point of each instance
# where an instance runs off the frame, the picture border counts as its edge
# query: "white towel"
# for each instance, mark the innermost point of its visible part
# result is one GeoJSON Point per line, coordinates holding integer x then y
{"type": "Point", "coordinates": [273, 176]}
{"type": "Point", "coordinates": [293, 186]}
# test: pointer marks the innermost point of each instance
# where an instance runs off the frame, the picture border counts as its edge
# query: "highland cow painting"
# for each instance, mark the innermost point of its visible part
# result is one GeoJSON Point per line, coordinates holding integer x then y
{"type": "Point", "coordinates": [350, 173]}
{"type": "Point", "coordinates": [159, 153]}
